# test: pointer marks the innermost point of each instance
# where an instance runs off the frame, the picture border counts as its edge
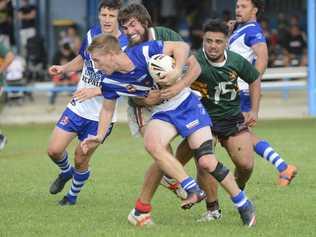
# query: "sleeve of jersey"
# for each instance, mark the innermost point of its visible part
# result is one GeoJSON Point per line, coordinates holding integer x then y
{"type": "Point", "coordinates": [248, 72]}
{"type": "Point", "coordinates": [83, 47]}
{"type": "Point", "coordinates": [254, 36]}
{"type": "Point", "coordinates": [108, 93]}
{"type": "Point", "coordinates": [155, 47]}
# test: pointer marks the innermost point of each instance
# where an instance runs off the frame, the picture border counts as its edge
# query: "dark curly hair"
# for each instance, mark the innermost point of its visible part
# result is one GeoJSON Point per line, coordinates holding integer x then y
{"type": "Point", "coordinates": [259, 4]}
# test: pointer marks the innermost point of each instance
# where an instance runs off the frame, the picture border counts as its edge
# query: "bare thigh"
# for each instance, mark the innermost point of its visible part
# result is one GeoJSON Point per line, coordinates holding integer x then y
{"type": "Point", "coordinates": [240, 149]}
{"type": "Point", "coordinates": [59, 140]}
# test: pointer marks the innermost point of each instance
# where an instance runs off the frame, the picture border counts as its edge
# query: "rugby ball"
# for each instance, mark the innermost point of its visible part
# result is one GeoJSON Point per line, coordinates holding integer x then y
{"type": "Point", "coordinates": [159, 64]}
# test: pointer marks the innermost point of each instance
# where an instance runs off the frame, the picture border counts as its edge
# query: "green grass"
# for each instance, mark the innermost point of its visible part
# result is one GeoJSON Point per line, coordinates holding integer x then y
{"type": "Point", "coordinates": [118, 167]}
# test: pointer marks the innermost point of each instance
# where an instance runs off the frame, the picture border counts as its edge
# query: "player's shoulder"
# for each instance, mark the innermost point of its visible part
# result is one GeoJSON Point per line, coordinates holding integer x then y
{"type": "Point", "coordinates": [94, 30]}
{"type": "Point", "coordinates": [166, 34]}
{"type": "Point", "coordinates": [235, 58]}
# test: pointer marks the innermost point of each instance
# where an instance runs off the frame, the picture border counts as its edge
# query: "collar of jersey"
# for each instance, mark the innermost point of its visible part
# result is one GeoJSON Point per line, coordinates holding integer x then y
{"type": "Point", "coordinates": [221, 64]}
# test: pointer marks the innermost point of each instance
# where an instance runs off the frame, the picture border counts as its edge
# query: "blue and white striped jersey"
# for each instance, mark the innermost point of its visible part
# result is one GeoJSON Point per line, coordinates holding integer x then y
{"type": "Point", "coordinates": [241, 41]}
{"type": "Point", "coordinates": [91, 77]}
{"type": "Point", "coordinates": [138, 81]}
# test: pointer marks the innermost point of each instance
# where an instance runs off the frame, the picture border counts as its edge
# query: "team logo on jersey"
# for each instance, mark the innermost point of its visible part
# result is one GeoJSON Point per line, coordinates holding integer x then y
{"type": "Point", "coordinates": [64, 120]}
{"type": "Point", "coordinates": [232, 75]}
{"type": "Point", "coordinates": [131, 88]}
{"type": "Point", "coordinates": [193, 124]}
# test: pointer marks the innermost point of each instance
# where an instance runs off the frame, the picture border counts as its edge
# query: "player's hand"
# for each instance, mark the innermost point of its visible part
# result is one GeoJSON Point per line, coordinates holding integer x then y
{"type": "Point", "coordinates": [172, 91]}
{"type": "Point", "coordinates": [231, 25]}
{"type": "Point", "coordinates": [251, 118]}
{"type": "Point", "coordinates": [56, 70]}
{"type": "Point", "coordinates": [89, 144]}
{"type": "Point", "coordinates": [86, 93]}
{"type": "Point", "coordinates": [153, 98]}
{"type": "Point", "coordinates": [169, 78]}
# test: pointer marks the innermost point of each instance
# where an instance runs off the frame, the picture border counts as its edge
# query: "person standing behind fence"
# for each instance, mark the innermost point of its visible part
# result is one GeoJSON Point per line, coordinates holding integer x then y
{"type": "Point", "coordinates": [248, 40]}
{"type": "Point", "coordinates": [6, 58]}
{"type": "Point", "coordinates": [27, 16]}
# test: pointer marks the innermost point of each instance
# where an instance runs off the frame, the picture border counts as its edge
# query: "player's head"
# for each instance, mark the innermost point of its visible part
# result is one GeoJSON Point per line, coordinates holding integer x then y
{"type": "Point", "coordinates": [135, 21]}
{"type": "Point", "coordinates": [108, 13]}
{"type": "Point", "coordinates": [215, 34]}
{"type": "Point", "coordinates": [103, 50]}
{"type": "Point", "coordinates": [249, 10]}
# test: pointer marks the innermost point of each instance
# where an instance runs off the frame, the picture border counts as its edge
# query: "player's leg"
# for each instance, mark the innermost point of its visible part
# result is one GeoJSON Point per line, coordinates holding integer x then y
{"type": "Point", "coordinates": [263, 148]}
{"type": "Point", "coordinates": [158, 135]}
{"type": "Point", "coordinates": [140, 215]}
{"type": "Point", "coordinates": [3, 140]}
{"type": "Point", "coordinates": [58, 143]}
{"type": "Point", "coordinates": [81, 172]}
{"type": "Point", "coordinates": [206, 181]}
{"type": "Point", "coordinates": [240, 150]}
{"type": "Point", "coordinates": [200, 142]}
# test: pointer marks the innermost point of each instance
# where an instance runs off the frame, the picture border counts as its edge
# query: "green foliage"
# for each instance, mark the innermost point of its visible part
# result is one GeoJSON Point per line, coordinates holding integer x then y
{"type": "Point", "coordinates": [118, 167]}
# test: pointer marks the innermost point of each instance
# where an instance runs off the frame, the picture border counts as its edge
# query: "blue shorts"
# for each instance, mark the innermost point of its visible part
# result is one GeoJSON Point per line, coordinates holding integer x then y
{"type": "Point", "coordinates": [71, 122]}
{"type": "Point", "coordinates": [188, 117]}
{"type": "Point", "coordinates": [245, 102]}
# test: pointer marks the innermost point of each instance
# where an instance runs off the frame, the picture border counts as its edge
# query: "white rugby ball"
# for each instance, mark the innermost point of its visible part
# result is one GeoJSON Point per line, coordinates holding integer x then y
{"type": "Point", "coordinates": [158, 64]}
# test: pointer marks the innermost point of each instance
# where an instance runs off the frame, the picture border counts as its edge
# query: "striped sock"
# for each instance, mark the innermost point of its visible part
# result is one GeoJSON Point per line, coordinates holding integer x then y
{"type": "Point", "coordinates": [78, 180]}
{"type": "Point", "coordinates": [190, 185]}
{"type": "Point", "coordinates": [240, 200]}
{"type": "Point", "coordinates": [64, 165]}
{"type": "Point", "coordinates": [263, 149]}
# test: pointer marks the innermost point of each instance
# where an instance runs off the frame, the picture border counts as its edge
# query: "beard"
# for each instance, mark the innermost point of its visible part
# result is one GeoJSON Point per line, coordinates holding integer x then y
{"type": "Point", "coordinates": [143, 38]}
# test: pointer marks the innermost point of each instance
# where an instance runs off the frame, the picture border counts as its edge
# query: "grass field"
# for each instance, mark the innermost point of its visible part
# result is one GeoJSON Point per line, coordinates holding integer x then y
{"type": "Point", "coordinates": [27, 209]}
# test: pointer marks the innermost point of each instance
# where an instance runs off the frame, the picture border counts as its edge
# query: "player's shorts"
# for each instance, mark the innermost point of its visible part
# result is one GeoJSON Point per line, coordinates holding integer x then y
{"type": "Point", "coordinates": [137, 118]}
{"type": "Point", "coordinates": [188, 117]}
{"type": "Point", "coordinates": [227, 127]}
{"type": "Point", "coordinates": [245, 103]}
{"type": "Point", "coordinates": [71, 122]}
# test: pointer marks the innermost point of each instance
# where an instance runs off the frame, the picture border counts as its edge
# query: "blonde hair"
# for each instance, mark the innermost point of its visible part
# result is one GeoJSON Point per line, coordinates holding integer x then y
{"type": "Point", "coordinates": [105, 43]}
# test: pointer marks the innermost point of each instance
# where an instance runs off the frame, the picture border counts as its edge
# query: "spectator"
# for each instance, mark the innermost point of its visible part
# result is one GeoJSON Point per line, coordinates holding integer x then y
{"type": "Point", "coordinates": [72, 36]}
{"type": "Point", "coordinates": [296, 46]}
{"type": "Point", "coordinates": [6, 25]}
{"type": "Point", "coordinates": [6, 58]}
{"type": "Point", "coordinates": [27, 16]}
{"type": "Point", "coordinates": [63, 56]}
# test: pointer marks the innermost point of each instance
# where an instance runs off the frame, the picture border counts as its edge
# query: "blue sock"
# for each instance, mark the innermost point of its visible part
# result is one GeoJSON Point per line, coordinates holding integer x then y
{"type": "Point", "coordinates": [78, 181]}
{"type": "Point", "coordinates": [64, 165]}
{"type": "Point", "coordinates": [263, 149]}
{"type": "Point", "coordinates": [190, 185]}
{"type": "Point", "coordinates": [240, 200]}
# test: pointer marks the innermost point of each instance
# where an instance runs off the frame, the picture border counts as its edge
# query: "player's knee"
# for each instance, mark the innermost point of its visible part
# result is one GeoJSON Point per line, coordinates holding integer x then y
{"type": "Point", "coordinates": [81, 162]}
{"type": "Point", "coordinates": [153, 147]}
{"type": "Point", "coordinates": [220, 172]}
{"type": "Point", "coordinates": [54, 153]}
{"type": "Point", "coordinates": [206, 148]}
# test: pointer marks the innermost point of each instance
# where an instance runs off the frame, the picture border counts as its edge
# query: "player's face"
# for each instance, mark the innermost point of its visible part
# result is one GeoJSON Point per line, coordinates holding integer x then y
{"type": "Point", "coordinates": [245, 11]}
{"type": "Point", "coordinates": [108, 20]}
{"type": "Point", "coordinates": [103, 62]}
{"type": "Point", "coordinates": [134, 30]}
{"type": "Point", "coordinates": [214, 44]}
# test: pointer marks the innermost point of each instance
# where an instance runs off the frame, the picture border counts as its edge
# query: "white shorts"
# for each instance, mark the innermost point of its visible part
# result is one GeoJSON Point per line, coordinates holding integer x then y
{"type": "Point", "coordinates": [137, 118]}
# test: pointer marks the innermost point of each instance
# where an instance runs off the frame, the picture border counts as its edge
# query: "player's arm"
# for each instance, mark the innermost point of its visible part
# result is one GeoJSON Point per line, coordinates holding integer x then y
{"type": "Point", "coordinates": [105, 119]}
{"type": "Point", "coordinates": [255, 94]}
{"type": "Point", "coordinates": [74, 65]}
{"type": "Point", "coordinates": [8, 58]}
{"type": "Point", "coordinates": [180, 52]}
{"type": "Point", "coordinates": [252, 76]}
{"type": "Point", "coordinates": [261, 51]}
{"type": "Point", "coordinates": [193, 72]}
{"type": "Point", "coordinates": [87, 93]}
